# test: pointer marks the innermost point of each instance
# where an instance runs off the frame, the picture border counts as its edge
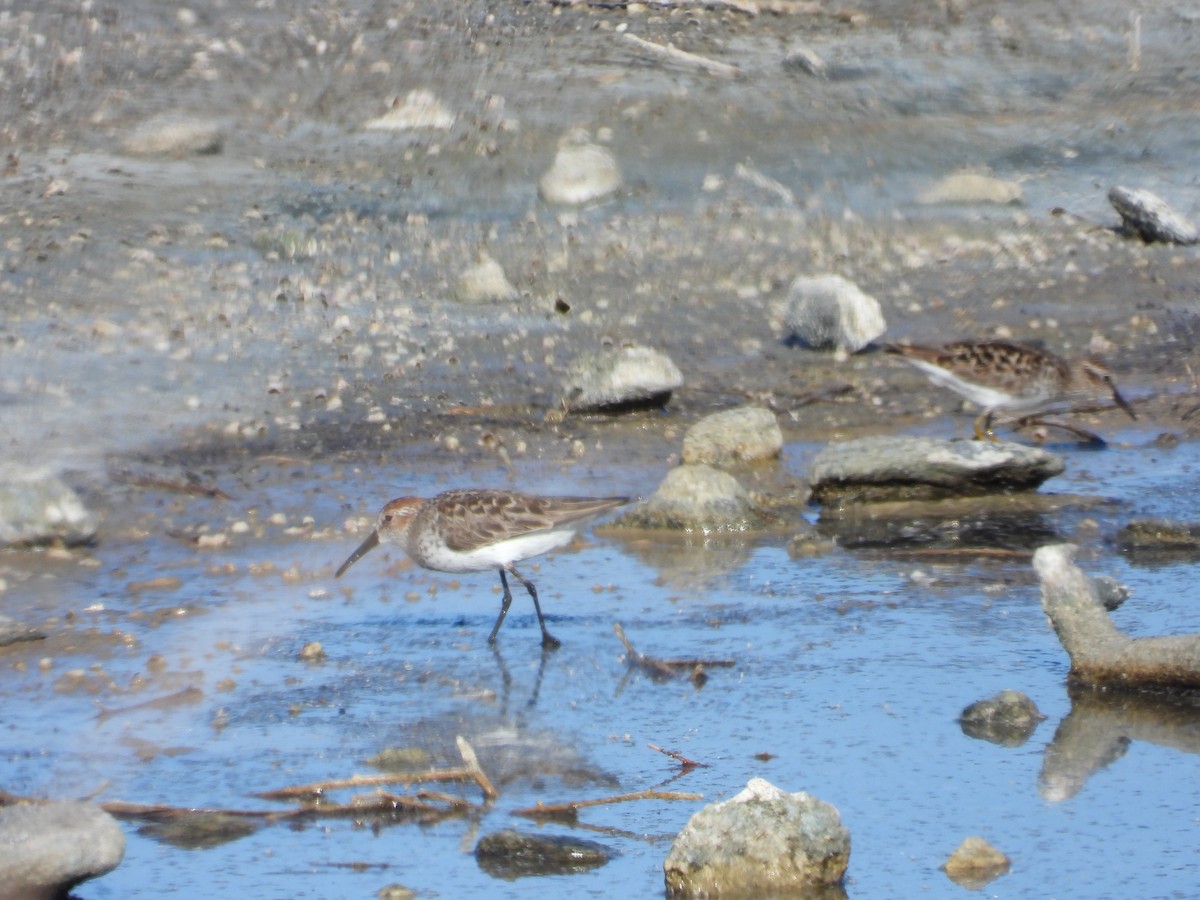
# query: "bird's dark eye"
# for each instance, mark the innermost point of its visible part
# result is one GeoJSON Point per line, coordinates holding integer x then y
{"type": "Point", "coordinates": [387, 518]}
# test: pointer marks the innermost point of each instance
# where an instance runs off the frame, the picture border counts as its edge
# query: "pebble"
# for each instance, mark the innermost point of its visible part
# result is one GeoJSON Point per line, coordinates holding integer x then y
{"type": "Point", "coordinates": [971, 187]}
{"type": "Point", "coordinates": [1009, 719]}
{"type": "Point", "coordinates": [1151, 218]}
{"type": "Point", "coordinates": [975, 863]}
{"type": "Point", "coordinates": [827, 311]}
{"type": "Point", "coordinates": [747, 434]}
{"type": "Point", "coordinates": [581, 172]}
{"type": "Point", "coordinates": [484, 282]}
{"type": "Point", "coordinates": [420, 109]}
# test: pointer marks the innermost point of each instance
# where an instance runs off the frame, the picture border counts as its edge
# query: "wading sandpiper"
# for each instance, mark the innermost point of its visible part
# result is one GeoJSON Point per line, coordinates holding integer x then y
{"type": "Point", "coordinates": [477, 530]}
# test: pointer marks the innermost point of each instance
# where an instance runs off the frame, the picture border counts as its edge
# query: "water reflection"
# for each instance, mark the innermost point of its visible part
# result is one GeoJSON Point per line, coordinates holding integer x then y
{"type": "Point", "coordinates": [688, 561]}
{"type": "Point", "coordinates": [1101, 727]}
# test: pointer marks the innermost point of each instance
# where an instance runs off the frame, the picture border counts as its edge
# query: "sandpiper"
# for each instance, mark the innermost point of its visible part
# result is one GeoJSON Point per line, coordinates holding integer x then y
{"type": "Point", "coordinates": [477, 530]}
{"type": "Point", "coordinates": [1009, 375]}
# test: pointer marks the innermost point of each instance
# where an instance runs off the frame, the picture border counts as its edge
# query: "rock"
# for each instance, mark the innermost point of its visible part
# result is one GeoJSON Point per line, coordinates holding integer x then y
{"type": "Point", "coordinates": [14, 632]}
{"type": "Point", "coordinates": [805, 59]}
{"type": "Point", "coordinates": [1148, 216]}
{"type": "Point", "coordinates": [971, 187]}
{"type": "Point", "coordinates": [975, 863]}
{"type": "Point", "coordinates": [763, 842]}
{"type": "Point", "coordinates": [581, 172]}
{"type": "Point", "coordinates": [1110, 591]}
{"type": "Point", "coordinates": [175, 134]}
{"type": "Point", "coordinates": [419, 110]}
{"type": "Point", "coordinates": [38, 508]}
{"type": "Point", "coordinates": [200, 830]}
{"type": "Point", "coordinates": [696, 498]}
{"type": "Point", "coordinates": [620, 380]}
{"type": "Point", "coordinates": [48, 848]}
{"type": "Point", "coordinates": [512, 854]}
{"type": "Point", "coordinates": [1160, 539]}
{"type": "Point", "coordinates": [484, 282]}
{"type": "Point", "coordinates": [747, 434]}
{"type": "Point", "coordinates": [827, 311]}
{"type": "Point", "coordinates": [395, 892]}
{"type": "Point", "coordinates": [919, 468]}
{"type": "Point", "coordinates": [1008, 719]}
{"type": "Point", "coordinates": [1101, 655]}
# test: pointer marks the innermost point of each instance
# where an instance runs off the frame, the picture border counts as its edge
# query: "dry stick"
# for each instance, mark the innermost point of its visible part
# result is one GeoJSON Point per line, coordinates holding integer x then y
{"type": "Point", "coordinates": [472, 761]}
{"type": "Point", "coordinates": [683, 760]}
{"type": "Point", "coordinates": [317, 788]}
{"type": "Point", "coordinates": [181, 487]}
{"type": "Point", "coordinates": [666, 666]}
{"type": "Point", "coordinates": [122, 809]}
{"type": "Point", "coordinates": [670, 53]}
{"type": "Point", "coordinates": [545, 810]}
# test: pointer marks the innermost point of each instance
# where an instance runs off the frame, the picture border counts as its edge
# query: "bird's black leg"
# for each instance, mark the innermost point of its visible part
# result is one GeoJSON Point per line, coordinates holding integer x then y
{"type": "Point", "coordinates": [504, 605]}
{"type": "Point", "coordinates": [548, 640]}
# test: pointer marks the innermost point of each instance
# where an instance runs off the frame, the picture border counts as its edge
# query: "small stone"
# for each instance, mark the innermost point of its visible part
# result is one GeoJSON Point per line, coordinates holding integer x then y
{"type": "Point", "coordinates": [581, 172]}
{"type": "Point", "coordinates": [747, 434]}
{"type": "Point", "coordinates": [312, 652]}
{"type": "Point", "coordinates": [48, 848]}
{"type": "Point", "coordinates": [827, 311]}
{"type": "Point", "coordinates": [805, 59]}
{"type": "Point", "coordinates": [513, 854]}
{"type": "Point", "coordinates": [975, 863]}
{"type": "Point", "coordinates": [971, 187]}
{"type": "Point", "coordinates": [619, 380]}
{"type": "Point", "coordinates": [401, 759]}
{"type": "Point", "coordinates": [1009, 719]}
{"type": "Point", "coordinates": [419, 110]}
{"type": "Point", "coordinates": [696, 498]}
{"type": "Point", "coordinates": [484, 282]}
{"type": "Point", "coordinates": [1148, 216]}
{"type": "Point", "coordinates": [38, 508]}
{"type": "Point", "coordinates": [14, 632]}
{"type": "Point", "coordinates": [395, 892]}
{"type": "Point", "coordinates": [175, 134]}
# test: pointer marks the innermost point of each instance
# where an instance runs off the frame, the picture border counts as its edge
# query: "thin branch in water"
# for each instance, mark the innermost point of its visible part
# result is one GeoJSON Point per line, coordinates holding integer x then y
{"type": "Point", "coordinates": [682, 760]}
{"type": "Point", "coordinates": [672, 54]}
{"type": "Point", "coordinates": [669, 668]}
{"type": "Point", "coordinates": [568, 811]}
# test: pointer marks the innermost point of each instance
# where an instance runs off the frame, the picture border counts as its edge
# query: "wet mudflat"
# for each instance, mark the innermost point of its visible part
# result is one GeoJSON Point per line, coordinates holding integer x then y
{"type": "Point", "coordinates": [281, 320]}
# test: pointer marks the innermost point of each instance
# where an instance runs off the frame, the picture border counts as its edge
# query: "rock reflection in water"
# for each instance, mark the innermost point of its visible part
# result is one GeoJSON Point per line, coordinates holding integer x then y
{"type": "Point", "coordinates": [689, 561]}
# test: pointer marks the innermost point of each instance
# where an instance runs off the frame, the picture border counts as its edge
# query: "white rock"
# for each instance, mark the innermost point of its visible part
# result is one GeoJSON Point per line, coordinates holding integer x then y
{"type": "Point", "coordinates": [484, 282]}
{"type": "Point", "coordinates": [581, 172]}
{"type": "Point", "coordinates": [420, 109]}
{"type": "Point", "coordinates": [827, 311]}
{"type": "Point", "coordinates": [743, 435]}
{"type": "Point", "coordinates": [971, 187]}
{"type": "Point", "coordinates": [628, 376]}
{"type": "Point", "coordinates": [176, 134]}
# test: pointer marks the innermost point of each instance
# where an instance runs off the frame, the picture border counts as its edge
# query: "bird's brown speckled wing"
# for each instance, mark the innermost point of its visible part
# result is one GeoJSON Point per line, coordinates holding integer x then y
{"type": "Point", "coordinates": [470, 519]}
{"type": "Point", "coordinates": [997, 362]}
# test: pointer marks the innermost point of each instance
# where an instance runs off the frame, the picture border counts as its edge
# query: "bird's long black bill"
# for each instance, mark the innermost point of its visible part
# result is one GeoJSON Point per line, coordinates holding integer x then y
{"type": "Point", "coordinates": [1121, 402]}
{"type": "Point", "coordinates": [364, 548]}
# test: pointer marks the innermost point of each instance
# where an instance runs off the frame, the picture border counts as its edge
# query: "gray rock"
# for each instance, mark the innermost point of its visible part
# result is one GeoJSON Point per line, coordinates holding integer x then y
{"type": "Point", "coordinates": [513, 854]}
{"type": "Point", "coordinates": [1111, 592]}
{"type": "Point", "coordinates": [581, 172]}
{"type": "Point", "coordinates": [918, 468]}
{"type": "Point", "coordinates": [747, 434]}
{"type": "Point", "coordinates": [48, 848]}
{"type": "Point", "coordinates": [38, 508]}
{"type": "Point", "coordinates": [1149, 217]}
{"type": "Point", "coordinates": [1160, 539]}
{"type": "Point", "coordinates": [763, 842]}
{"type": "Point", "coordinates": [14, 632]}
{"type": "Point", "coordinates": [620, 379]}
{"type": "Point", "coordinates": [420, 110]}
{"type": "Point", "coordinates": [1009, 719]}
{"type": "Point", "coordinates": [827, 311]}
{"type": "Point", "coordinates": [696, 498]}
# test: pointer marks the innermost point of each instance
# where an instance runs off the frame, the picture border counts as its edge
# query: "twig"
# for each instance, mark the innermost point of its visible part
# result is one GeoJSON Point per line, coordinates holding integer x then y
{"type": "Point", "coordinates": [668, 668]}
{"type": "Point", "coordinates": [159, 812]}
{"type": "Point", "coordinates": [472, 762]}
{"type": "Point", "coordinates": [568, 810]}
{"type": "Point", "coordinates": [315, 790]}
{"type": "Point", "coordinates": [683, 760]}
{"type": "Point", "coordinates": [181, 487]}
{"type": "Point", "coordinates": [671, 53]}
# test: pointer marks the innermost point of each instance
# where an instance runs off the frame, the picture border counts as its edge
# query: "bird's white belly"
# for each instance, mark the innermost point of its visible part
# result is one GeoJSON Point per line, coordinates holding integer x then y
{"type": "Point", "coordinates": [497, 555]}
{"type": "Point", "coordinates": [980, 394]}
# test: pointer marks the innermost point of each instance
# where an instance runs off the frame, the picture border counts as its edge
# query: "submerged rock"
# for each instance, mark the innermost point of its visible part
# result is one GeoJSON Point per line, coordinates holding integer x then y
{"type": "Point", "coordinates": [581, 172]}
{"type": "Point", "coordinates": [420, 110]}
{"type": "Point", "coordinates": [622, 379]}
{"type": "Point", "coordinates": [827, 311]}
{"type": "Point", "coordinates": [484, 282]}
{"type": "Point", "coordinates": [763, 842]}
{"type": "Point", "coordinates": [48, 848]}
{"type": "Point", "coordinates": [175, 134]}
{"type": "Point", "coordinates": [918, 468]}
{"type": "Point", "coordinates": [747, 434]}
{"type": "Point", "coordinates": [513, 854]}
{"type": "Point", "coordinates": [975, 863]}
{"type": "Point", "coordinates": [1101, 655]}
{"type": "Point", "coordinates": [1160, 539]}
{"type": "Point", "coordinates": [14, 632]}
{"type": "Point", "coordinates": [200, 830]}
{"type": "Point", "coordinates": [38, 508]}
{"type": "Point", "coordinates": [1009, 719]}
{"type": "Point", "coordinates": [696, 498]}
{"type": "Point", "coordinates": [1148, 216]}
